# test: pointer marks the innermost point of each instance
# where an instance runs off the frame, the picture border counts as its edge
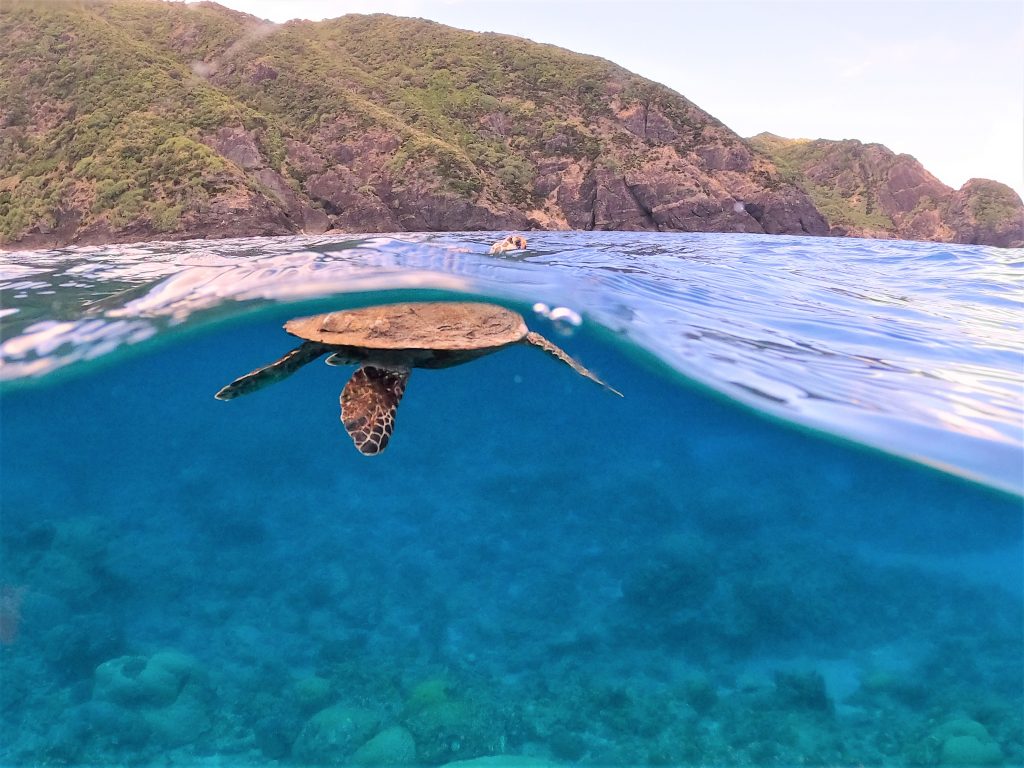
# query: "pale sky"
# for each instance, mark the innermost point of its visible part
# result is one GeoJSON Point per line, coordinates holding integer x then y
{"type": "Point", "coordinates": [942, 81]}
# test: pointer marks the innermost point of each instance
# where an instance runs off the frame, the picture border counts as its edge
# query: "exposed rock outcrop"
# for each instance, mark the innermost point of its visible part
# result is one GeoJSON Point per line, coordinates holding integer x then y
{"type": "Point", "coordinates": [988, 213]}
{"type": "Point", "coordinates": [869, 191]}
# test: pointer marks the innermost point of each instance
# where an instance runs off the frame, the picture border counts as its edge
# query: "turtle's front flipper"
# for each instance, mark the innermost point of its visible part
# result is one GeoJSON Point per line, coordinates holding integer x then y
{"type": "Point", "coordinates": [560, 354]}
{"type": "Point", "coordinates": [368, 405]}
{"type": "Point", "coordinates": [306, 352]}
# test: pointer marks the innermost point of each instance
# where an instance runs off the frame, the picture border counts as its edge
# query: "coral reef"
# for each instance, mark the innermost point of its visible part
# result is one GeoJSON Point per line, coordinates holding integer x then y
{"type": "Point", "coordinates": [687, 599]}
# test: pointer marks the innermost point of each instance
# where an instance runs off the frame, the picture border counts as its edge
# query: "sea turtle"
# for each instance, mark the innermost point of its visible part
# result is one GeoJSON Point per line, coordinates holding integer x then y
{"type": "Point", "coordinates": [386, 342]}
{"type": "Point", "coordinates": [510, 243]}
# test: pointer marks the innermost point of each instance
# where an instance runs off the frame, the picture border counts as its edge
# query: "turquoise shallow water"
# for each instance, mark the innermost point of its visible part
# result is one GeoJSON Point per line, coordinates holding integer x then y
{"type": "Point", "coordinates": [733, 564]}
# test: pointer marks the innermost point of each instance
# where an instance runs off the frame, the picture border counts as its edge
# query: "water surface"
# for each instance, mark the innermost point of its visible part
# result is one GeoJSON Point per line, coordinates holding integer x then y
{"type": "Point", "coordinates": [736, 563]}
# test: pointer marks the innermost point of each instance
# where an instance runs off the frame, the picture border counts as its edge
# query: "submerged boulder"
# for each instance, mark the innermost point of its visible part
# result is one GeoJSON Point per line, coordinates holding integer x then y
{"type": "Point", "coordinates": [970, 750]}
{"type": "Point", "coordinates": [163, 699]}
{"type": "Point", "coordinates": [392, 746]}
{"type": "Point", "coordinates": [333, 734]}
{"type": "Point", "coordinates": [312, 693]}
{"type": "Point", "coordinates": [966, 742]}
{"type": "Point", "coordinates": [136, 681]}
{"type": "Point", "coordinates": [445, 725]}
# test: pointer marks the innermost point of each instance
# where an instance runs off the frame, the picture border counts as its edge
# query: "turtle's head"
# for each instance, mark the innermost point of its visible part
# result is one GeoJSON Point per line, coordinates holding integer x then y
{"type": "Point", "coordinates": [342, 358]}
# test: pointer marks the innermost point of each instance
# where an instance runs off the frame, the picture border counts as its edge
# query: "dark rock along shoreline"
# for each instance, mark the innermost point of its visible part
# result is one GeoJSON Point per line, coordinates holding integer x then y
{"type": "Point", "coordinates": [151, 120]}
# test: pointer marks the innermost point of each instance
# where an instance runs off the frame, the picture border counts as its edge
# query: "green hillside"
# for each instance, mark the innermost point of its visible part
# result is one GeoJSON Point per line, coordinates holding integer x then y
{"type": "Point", "coordinates": [101, 123]}
{"type": "Point", "coordinates": [148, 119]}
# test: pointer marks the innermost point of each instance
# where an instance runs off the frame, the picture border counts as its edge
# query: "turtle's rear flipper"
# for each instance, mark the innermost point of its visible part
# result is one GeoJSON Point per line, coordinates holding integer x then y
{"type": "Point", "coordinates": [306, 352]}
{"type": "Point", "coordinates": [368, 405]}
{"type": "Point", "coordinates": [560, 354]}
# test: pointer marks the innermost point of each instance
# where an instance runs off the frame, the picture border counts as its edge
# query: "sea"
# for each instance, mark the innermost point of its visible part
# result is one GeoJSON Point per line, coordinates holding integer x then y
{"type": "Point", "coordinates": [796, 539]}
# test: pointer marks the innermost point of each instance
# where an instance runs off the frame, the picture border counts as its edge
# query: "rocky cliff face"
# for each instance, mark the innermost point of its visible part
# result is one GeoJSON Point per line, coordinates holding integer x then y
{"type": "Point", "coordinates": [143, 119]}
{"type": "Point", "coordinates": [985, 212]}
{"type": "Point", "coordinates": [866, 190]}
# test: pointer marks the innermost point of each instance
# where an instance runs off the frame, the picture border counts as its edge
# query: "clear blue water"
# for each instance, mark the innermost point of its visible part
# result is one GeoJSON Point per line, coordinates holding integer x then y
{"type": "Point", "coordinates": [796, 539]}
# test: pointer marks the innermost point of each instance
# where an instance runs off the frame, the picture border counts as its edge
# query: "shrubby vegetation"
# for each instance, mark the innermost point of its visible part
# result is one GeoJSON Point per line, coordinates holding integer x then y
{"type": "Point", "coordinates": [992, 203]}
{"type": "Point", "coordinates": [102, 122]}
{"type": "Point", "coordinates": [854, 207]}
{"type": "Point", "coordinates": [109, 106]}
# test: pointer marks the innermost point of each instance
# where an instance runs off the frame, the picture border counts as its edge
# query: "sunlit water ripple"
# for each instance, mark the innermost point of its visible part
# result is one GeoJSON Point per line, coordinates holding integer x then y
{"type": "Point", "coordinates": [913, 348]}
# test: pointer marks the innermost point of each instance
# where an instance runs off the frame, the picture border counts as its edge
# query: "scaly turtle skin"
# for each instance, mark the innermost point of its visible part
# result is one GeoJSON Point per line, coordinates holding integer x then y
{"type": "Point", "coordinates": [386, 342]}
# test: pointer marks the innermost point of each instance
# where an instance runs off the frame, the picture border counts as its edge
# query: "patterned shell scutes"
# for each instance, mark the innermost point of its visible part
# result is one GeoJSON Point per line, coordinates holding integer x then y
{"type": "Point", "coordinates": [425, 325]}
